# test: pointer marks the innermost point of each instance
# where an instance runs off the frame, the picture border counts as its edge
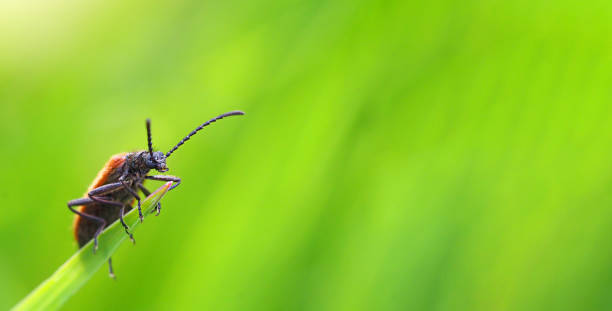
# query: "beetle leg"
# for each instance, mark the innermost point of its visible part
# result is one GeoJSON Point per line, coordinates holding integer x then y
{"type": "Point", "coordinates": [81, 201]}
{"type": "Point", "coordinates": [166, 178]}
{"type": "Point", "coordinates": [147, 193]}
{"type": "Point", "coordinates": [85, 201]}
{"type": "Point", "coordinates": [96, 195]}
{"type": "Point", "coordinates": [135, 195]}
{"type": "Point", "coordinates": [125, 226]}
{"type": "Point", "coordinates": [110, 268]}
{"type": "Point", "coordinates": [105, 189]}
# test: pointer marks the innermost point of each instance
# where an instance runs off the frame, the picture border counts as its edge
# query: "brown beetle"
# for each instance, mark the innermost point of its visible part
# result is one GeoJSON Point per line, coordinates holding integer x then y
{"type": "Point", "coordinates": [116, 187]}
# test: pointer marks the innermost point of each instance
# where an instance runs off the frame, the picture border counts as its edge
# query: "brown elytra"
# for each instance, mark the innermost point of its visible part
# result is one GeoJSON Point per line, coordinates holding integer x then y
{"type": "Point", "coordinates": [84, 229]}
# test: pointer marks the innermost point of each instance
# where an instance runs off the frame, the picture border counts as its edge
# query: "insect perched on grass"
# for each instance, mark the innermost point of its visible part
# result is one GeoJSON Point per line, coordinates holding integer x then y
{"type": "Point", "coordinates": [116, 187]}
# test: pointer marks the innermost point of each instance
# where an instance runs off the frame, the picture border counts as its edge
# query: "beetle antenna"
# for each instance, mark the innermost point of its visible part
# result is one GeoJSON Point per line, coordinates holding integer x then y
{"type": "Point", "coordinates": [227, 114]}
{"type": "Point", "coordinates": [149, 140]}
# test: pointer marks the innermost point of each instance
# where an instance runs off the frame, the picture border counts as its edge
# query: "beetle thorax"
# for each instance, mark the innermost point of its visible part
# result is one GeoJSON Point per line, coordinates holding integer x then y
{"type": "Point", "coordinates": [135, 164]}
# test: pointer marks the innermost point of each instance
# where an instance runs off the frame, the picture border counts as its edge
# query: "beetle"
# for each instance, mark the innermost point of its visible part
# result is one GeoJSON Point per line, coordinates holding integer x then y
{"type": "Point", "coordinates": [114, 190]}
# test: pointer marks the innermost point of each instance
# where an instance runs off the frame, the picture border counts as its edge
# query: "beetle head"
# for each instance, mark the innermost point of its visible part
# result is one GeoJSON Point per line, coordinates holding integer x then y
{"type": "Point", "coordinates": [157, 162]}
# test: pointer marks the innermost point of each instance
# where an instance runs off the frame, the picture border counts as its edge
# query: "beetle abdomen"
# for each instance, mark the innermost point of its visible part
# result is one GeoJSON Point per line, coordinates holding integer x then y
{"type": "Point", "coordinates": [84, 229]}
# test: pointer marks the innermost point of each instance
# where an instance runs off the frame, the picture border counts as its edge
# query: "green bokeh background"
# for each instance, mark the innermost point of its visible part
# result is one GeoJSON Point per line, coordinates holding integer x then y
{"type": "Point", "coordinates": [395, 155]}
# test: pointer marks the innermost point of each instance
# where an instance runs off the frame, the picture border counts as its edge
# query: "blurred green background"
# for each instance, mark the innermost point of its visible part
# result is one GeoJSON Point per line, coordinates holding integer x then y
{"type": "Point", "coordinates": [395, 155]}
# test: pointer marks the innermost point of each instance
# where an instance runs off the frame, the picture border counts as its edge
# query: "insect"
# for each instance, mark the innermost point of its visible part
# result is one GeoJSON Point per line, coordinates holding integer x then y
{"type": "Point", "coordinates": [116, 187]}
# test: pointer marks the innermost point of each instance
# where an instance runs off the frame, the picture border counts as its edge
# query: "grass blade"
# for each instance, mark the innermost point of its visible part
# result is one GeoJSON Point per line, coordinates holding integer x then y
{"type": "Point", "coordinates": [74, 273]}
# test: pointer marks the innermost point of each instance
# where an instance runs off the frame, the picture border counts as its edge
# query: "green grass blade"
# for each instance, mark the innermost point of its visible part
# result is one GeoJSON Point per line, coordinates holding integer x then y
{"type": "Point", "coordinates": [74, 273]}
